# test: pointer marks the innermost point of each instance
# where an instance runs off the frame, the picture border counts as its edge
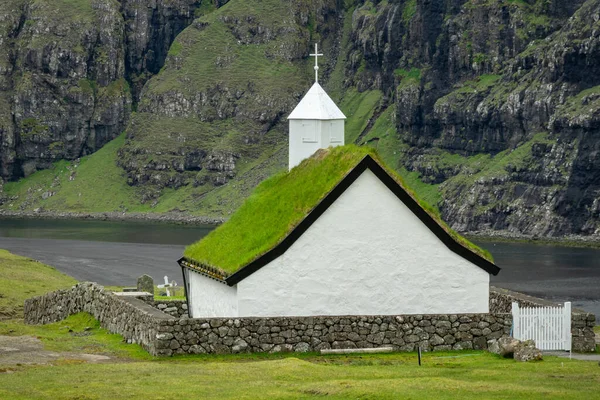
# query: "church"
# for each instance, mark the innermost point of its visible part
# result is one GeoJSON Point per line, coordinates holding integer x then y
{"type": "Point", "coordinates": [338, 234]}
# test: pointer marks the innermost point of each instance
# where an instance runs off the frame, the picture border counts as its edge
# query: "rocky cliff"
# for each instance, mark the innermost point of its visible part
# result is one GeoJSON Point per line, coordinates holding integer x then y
{"type": "Point", "coordinates": [494, 103]}
{"type": "Point", "coordinates": [71, 69]}
{"type": "Point", "coordinates": [490, 108]}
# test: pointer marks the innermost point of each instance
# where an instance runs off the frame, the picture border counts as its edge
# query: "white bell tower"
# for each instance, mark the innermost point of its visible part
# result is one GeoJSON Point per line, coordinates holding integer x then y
{"type": "Point", "coordinates": [316, 122]}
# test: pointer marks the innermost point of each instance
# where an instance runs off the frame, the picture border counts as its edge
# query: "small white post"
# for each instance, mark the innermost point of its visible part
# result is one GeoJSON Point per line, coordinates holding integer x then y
{"type": "Point", "coordinates": [567, 325]}
{"type": "Point", "coordinates": [516, 314]}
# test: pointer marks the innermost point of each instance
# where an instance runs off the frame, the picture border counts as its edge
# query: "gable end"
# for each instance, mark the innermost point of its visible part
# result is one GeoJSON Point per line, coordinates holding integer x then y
{"type": "Point", "coordinates": [367, 163]}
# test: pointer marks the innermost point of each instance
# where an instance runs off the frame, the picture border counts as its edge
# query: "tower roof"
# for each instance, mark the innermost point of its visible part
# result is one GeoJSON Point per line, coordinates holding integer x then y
{"type": "Point", "coordinates": [316, 104]}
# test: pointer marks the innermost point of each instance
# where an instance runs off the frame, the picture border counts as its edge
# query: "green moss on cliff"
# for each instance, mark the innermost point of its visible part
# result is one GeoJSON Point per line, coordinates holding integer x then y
{"type": "Point", "coordinates": [359, 109]}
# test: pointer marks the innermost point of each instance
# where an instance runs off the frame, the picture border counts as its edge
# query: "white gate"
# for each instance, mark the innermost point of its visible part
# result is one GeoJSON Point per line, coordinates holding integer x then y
{"type": "Point", "coordinates": [550, 327]}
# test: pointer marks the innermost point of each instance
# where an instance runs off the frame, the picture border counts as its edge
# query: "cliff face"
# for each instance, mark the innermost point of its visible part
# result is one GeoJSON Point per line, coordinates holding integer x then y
{"type": "Point", "coordinates": [61, 96]}
{"type": "Point", "coordinates": [490, 108]}
{"type": "Point", "coordinates": [70, 70]}
{"type": "Point", "coordinates": [495, 104]}
{"type": "Point", "coordinates": [218, 105]}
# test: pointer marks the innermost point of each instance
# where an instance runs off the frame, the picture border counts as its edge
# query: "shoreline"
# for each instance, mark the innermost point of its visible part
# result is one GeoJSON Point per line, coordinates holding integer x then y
{"type": "Point", "coordinates": [180, 218]}
{"type": "Point", "coordinates": [170, 218]}
{"type": "Point", "coordinates": [579, 241]}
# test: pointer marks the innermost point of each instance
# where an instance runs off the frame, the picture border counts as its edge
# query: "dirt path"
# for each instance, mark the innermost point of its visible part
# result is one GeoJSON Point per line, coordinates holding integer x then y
{"type": "Point", "coordinates": [27, 350]}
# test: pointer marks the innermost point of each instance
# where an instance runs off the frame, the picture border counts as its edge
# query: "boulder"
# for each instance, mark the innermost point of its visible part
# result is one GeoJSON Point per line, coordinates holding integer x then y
{"type": "Point", "coordinates": [505, 346]}
{"type": "Point", "coordinates": [526, 351]}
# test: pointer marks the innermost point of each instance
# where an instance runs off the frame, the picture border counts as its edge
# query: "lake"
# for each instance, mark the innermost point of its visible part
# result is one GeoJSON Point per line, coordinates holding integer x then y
{"type": "Point", "coordinates": [115, 253]}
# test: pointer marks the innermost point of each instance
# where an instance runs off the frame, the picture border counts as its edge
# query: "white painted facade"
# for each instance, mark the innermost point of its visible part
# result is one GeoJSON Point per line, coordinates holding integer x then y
{"type": "Point", "coordinates": [307, 136]}
{"type": "Point", "coordinates": [316, 123]}
{"type": "Point", "coordinates": [368, 254]}
{"type": "Point", "coordinates": [209, 298]}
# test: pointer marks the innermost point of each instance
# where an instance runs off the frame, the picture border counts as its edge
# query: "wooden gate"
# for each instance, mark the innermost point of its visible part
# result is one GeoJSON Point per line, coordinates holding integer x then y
{"type": "Point", "coordinates": [550, 327]}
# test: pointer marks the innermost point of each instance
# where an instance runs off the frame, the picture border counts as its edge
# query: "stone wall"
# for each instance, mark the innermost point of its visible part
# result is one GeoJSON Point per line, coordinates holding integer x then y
{"type": "Point", "coordinates": [501, 300]}
{"type": "Point", "coordinates": [163, 334]}
{"type": "Point", "coordinates": [582, 331]}
{"type": "Point", "coordinates": [175, 308]}
{"type": "Point", "coordinates": [132, 318]}
{"type": "Point", "coordinates": [302, 334]}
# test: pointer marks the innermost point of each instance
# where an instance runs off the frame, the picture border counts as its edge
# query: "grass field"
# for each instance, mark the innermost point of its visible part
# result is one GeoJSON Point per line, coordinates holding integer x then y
{"type": "Point", "coordinates": [22, 278]}
{"type": "Point", "coordinates": [442, 376]}
{"type": "Point", "coordinates": [132, 373]}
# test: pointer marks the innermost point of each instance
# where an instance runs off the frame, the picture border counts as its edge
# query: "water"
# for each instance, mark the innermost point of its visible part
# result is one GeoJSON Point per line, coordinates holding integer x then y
{"type": "Point", "coordinates": [552, 272]}
{"type": "Point", "coordinates": [115, 253]}
{"type": "Point", "coordinates": [103, 231]}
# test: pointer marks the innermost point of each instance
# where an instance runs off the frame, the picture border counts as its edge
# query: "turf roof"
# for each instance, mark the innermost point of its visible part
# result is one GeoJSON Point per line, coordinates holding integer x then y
{"type": "Point", "coordinates": [280, 203]}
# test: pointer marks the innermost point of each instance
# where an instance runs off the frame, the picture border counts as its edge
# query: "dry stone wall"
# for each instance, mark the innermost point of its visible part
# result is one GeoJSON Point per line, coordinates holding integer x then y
{"type": "Point", "coordinates": [132, 318]}
{"type": "Point", "coordinates": [163, 334]}
{"type": "Point", "coordinates": [501, 300]}
{"type": "Point", "coordinates": [303, 334]}
{"type": "Point", "coordinates": [175, 308]}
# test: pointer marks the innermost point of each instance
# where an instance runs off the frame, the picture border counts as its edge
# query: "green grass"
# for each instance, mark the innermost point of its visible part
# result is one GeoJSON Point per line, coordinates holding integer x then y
{"type": "Point", "coordinates": [409, 77]}
{"type": "Point", "coordinates": [79, 333]}
{"type": "Point", "coordinates": [479, 86]}
{"type": "Point", "coordinates": [485, 166]}
{"type": "Point", "coordinates": [279, 204]}
{"type": "Point", "coordinates": [358, 108]}
{"type": "Point", "coordinates": [22, 278]}
{"type": "Point", "coordinates": [132, 373]}
{"type": "Point", "coordinates": [239, 64]}
{"type": "Point", "coordinates": [473, 375]}
{"type": "Point", "coordinates": [409, 10]}
{"type": "Point", "coordinates": [98, 185]}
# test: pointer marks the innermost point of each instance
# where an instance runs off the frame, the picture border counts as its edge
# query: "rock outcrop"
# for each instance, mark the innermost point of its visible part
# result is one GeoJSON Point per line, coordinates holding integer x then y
{"type": "Point", "coordinates": [70, 72]}
{"type": "Point", "coordinates": [63, 93]}
{"type": "Point", "coordinates": [493, 104]}
{"type": "Point", "coordinates": [526, 351]}
{"type": "Point", "coordinates": [496, 102]}
{"type": "Point", "coordinates": [221, 98]}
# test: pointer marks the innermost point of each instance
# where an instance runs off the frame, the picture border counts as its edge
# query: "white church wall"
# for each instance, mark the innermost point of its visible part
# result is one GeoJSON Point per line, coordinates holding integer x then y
{"type": "Point", "coordinates": [210, 298]}
{"type": "Point", "coordinates": [332, 133]}
{"type": "Point", "coordinates": [308, 136]}
{"type": "Point", "coordinates": [305, 140]}
{"type": "Point", "coordinates": [368, 254]}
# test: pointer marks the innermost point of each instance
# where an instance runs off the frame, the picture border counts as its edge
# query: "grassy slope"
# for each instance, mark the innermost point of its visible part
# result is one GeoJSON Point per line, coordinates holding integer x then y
{"type": "Point", "coordinates": [98, 185]}
{"type": "Point", "coordinates": [86, 336]}
{"type": "Point", "coordinates": [474, 376]}
{"type": "Point", "coordinates": [22, 278]}
{"type": "Point", "coordinates": [278, 205]}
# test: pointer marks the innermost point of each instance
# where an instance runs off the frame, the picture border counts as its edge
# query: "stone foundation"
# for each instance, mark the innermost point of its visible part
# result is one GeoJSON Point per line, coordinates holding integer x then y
{"type": "Point", "coordinates": [167, 334]}
{"type": "Point", "coordinates": [302, 334]}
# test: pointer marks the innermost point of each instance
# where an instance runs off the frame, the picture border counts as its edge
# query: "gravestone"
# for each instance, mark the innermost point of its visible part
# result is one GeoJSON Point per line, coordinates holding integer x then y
{"type": "Point", "coordinates": [145, 283]}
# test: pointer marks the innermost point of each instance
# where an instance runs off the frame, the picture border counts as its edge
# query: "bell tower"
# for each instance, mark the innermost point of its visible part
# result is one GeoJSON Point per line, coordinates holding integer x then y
{"type": "Point", "coordinates": [316, 122]}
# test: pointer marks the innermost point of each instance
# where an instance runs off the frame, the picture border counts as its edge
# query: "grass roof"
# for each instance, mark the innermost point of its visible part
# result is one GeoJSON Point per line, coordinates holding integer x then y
{"type": "Point", "coordinates": [280, 203]}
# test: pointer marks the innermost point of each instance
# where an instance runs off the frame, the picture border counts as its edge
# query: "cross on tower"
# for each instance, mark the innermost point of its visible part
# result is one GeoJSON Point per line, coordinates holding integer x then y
{"type": "Point", "coordinates": [316, 56]}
